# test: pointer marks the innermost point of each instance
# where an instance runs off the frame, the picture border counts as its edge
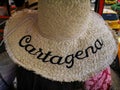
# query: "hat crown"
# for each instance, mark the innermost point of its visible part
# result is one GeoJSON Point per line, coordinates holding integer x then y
{"type": "Point", "coordinates": [62, 19]}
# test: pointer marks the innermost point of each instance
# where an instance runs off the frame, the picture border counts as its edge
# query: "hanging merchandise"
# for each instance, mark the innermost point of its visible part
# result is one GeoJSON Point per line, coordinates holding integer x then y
{"type": "Point", "coordinates": [7, 67]}
{"type": "Point", "coordinates": [2, 25]}
{"type": "Point", "coordinates": [3, 17]}
{"type": "Point", "coordinates": [99, 6]}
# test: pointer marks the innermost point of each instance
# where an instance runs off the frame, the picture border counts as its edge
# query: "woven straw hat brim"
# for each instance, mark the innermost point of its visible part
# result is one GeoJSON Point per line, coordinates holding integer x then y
{"type": "Point", "coordinates": [68, 60]}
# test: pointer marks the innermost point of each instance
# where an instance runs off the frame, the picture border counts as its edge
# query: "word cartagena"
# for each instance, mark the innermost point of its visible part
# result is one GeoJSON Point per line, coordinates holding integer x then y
{"type": "Point", "coordinates": [56, 59]}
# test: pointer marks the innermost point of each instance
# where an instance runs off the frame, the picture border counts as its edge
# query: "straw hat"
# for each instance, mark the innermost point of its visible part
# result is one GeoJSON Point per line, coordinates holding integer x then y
{"type": "Point", "coordinates": [63, 41]}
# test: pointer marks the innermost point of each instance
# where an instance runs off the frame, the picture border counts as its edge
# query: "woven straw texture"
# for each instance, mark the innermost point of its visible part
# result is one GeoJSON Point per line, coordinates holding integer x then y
{"type": "Point", "coordinates": [72, 53]}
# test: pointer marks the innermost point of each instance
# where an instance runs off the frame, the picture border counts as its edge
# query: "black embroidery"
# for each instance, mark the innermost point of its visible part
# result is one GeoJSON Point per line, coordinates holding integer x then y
{"type": "Point", "coordinates": [69, 60]}
{"type": "Point", "coordinates": [56, 59]}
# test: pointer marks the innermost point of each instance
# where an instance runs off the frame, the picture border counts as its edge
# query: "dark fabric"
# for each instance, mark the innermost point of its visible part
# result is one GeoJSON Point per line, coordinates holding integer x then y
{"type": "Point", "coordinates": [115, 65]}
{"type": "Point", "coordinates": [2, 2]}
{"type": "Point", "coordinates": [4, 85]}
{"type": "Point", "coordinates": [27, 80]}
{"type": "Point", "coordinates": [2, 25]}
{"type": "Point", "coordinates": [19, 3]}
